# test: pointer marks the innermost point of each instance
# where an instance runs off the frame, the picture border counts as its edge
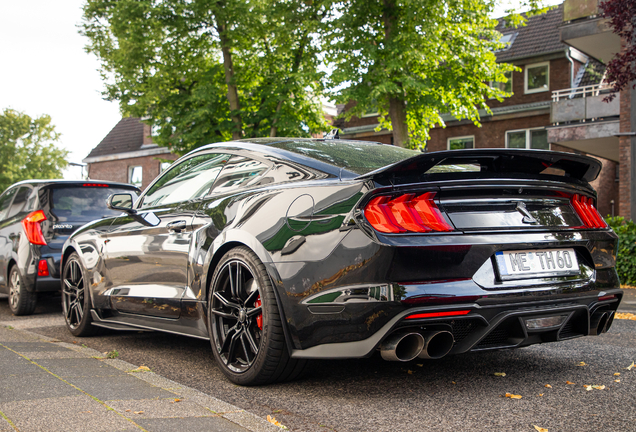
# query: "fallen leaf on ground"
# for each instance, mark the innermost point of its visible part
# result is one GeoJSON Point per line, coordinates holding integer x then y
{"type": "Point", "coordinates": [138, 412]}
{"type": "Point", "coordinates": [410, 372]}
{"type": "Point", "coordinates": [548, 386]}
{"type": "Point", "coordinates": [540, 429]}
{"type": "Point", "coordinates": [272, 420]}
{"type": "Point", "coordinates": [569, 382]}
{"type": "Point", "coordinates": [588, 387]}
{"type": "Point", "coordinates": [128, 410]}
{"type": "Point", "coordinates": [540, 394]}
{"type": "Point", "coordinates": [453, 382]}
{"type": "Point", "coordinates": [630, 366]}
{"type": "Point", "coordinates": [420, 365]}
{"type": "Point", "coordinates": [176, 400]}
{"type": "Point", "coordinates": [617, 380]}
{"type": "Point", "coordinates": [501, 374]}
{"type": "Point", "coordinates": [599, 387]}
{"type": "Point", "coordinates": [513, 396]}
{"type": "Point", "coordinates": [142, 369]}
{"type": "Point", "coordinates": [625, 316]}
{"type": "Point", "coordinates": [581, 364]}
{"type": "Point", "coordinates": [617, 374]}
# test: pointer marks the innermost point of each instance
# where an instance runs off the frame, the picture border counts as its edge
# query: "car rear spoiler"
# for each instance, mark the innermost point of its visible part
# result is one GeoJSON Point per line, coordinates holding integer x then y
{"type": "Point", "coordinates": [497, 162]}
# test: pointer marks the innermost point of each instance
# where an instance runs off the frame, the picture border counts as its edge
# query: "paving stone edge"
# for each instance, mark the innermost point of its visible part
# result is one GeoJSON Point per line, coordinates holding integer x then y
{"type": "Point", "coordinates": [228, 411]}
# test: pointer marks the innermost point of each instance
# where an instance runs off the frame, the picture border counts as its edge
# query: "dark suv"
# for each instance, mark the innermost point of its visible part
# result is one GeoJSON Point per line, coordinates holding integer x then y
{"type": "Point", "coordinates": [36, 217]}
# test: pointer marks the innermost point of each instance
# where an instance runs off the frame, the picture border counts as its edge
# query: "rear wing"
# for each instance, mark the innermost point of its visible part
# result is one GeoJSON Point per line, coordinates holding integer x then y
{"type": "Point", "coordinates": [495, 162]}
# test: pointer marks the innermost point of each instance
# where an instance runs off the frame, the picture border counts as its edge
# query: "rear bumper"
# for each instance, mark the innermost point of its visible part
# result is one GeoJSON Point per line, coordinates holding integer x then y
{"type": "Point", "coordinates": [491, 322]}
{"type": "Point", "coordinates": [48, 283]}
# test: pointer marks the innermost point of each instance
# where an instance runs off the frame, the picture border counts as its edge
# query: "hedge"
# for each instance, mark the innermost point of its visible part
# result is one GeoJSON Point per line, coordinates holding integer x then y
{"type": "Point", "coordinates": [626, 258]}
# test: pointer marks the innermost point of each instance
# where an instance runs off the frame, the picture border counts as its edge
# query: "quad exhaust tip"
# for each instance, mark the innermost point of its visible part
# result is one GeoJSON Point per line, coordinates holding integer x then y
{"type": "Point", "coordinates": [601, 322]}
{"type": "Point", "coordinates": [407, 345]}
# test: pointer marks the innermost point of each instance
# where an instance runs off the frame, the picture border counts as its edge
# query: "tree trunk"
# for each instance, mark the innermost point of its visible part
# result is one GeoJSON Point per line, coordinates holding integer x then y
{"type": "Point", "coordinates": [397, 104]}
{"type": "Point", "coordinates": [232, 91]}
{"type": "Point", "coordinates": [397, 112]}
{"type": "Point", "coordinates": [298, 56]}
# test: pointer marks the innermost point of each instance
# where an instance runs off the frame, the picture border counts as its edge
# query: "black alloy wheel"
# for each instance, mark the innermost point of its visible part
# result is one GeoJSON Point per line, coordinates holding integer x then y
{"type": "Point", "coordinates": [245, 325]}
{"type": "Point", "coordinates": [75, 298]}
{"type": "Point", "coordinates": [21, 301]}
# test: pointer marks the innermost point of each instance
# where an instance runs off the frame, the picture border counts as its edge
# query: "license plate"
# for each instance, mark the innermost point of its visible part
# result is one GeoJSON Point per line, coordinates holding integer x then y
{"type": "Point", "coordinates": [537, 263]}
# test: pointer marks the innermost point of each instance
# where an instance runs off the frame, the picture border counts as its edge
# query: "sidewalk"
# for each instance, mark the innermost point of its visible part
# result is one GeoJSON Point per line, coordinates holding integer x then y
{"type": "Point", "coordinates": [46, 385]}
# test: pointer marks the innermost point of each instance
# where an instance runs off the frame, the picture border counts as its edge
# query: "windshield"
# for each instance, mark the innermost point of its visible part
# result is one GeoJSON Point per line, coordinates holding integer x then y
{"type": "Point", "coordinates": [84, 204]}
{"type": "Point", "coordinates": [359, 157]}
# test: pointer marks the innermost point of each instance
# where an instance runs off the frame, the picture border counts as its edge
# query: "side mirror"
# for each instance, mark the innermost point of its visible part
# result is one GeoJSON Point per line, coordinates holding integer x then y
{"type": "Point", "coordinates": [121, 201]}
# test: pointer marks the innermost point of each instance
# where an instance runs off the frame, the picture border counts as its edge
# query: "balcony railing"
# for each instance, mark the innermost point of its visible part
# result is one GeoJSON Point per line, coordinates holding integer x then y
{"type": "Point", "coordinates": [585, 91]}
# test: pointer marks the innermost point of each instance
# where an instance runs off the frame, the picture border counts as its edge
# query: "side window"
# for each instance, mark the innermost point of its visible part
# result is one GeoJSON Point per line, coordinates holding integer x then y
{"type": "Point", "coordinates": [240, 172]}
{"type": "Point", "coordinates": [5, 202]}
{"type": "Point", "coordinates": [190, 179]}
{"type": "Point", "coordinates": [19, 201]}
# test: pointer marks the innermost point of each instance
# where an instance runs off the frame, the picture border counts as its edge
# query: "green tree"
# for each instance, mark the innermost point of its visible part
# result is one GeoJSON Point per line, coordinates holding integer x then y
{"type": "Point", "coordinates": [414, 60]}
{"type": "Point", "coordinates": [28, 148]}
{"type": "Point", "coordinates": [210, 70]}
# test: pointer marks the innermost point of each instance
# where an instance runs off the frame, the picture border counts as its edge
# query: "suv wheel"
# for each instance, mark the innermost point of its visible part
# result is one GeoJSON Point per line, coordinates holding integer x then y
{"type": "Point", "coordinates": [21, 301]}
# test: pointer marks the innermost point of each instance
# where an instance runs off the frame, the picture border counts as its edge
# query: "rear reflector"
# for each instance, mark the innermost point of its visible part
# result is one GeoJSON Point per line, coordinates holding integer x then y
{"type": "Point", "coordinates": [586, 211]}
{"type": "Point", "coordinates": [32, 227]}
{"type": "Point", "coordinates": [406, 213]}
{"type": "Point", "coordinates": [43, 268]}
{"type": "Point", "coordinates": [438, 314]}
{"type": "Point", "coordinates": [607, 297]}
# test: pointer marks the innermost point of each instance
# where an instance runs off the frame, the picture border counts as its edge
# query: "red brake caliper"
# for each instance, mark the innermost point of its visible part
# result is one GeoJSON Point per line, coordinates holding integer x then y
{"type": "Point", "coordinates": [259, 318]}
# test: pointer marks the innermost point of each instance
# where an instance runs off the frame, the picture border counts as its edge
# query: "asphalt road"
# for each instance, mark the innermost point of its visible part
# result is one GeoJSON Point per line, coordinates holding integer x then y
{"type": "Point", "coordinates": [458, 393]}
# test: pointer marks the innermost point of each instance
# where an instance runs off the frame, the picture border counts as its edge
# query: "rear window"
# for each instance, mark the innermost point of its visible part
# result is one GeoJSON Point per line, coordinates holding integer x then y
{"type": "Point", "coordinates": [359, 157]}
{"type": "Point", "coordinates": [84, 204]}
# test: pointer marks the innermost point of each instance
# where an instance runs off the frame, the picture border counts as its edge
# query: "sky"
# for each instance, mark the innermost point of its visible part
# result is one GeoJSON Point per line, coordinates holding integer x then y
{"type": "Point", "coordinates": [45, 70]}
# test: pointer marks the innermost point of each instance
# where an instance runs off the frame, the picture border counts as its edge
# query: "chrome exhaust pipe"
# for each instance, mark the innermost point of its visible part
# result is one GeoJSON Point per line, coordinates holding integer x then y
{"type": "Point", "coordinates": [598, 323]}
{"type": "Point", "coordinates": [610, 320]}
{"type": "Point", "coordinates": [437, 344]}
{"type": "Point", "coordinates": [402, 346]}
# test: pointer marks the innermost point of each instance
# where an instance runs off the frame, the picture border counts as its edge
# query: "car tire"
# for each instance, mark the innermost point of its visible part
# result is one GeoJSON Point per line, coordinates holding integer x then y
{"type": "Point", "coordinates": [249, 351]}
{"type": "Point", "coordinates": [76, 298]}
{"type": "Point", "coordinates": [21, 301]}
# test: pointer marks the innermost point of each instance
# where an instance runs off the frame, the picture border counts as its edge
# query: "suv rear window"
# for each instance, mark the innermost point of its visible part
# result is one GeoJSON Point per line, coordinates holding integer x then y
{"type": "Point", "coordinates": [84, 204]}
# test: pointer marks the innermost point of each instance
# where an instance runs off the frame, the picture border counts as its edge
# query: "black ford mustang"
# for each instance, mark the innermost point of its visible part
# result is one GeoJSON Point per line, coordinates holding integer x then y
{"type": "Point", "coordinates": [283, 250]}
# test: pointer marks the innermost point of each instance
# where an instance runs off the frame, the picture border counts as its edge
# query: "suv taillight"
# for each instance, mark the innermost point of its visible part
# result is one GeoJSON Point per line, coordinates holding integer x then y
{"type": "Point", "coordinates": [406, 213]}
{"type": "Point", "coordinates": [32, 227]}
{"type": "Point", "coordinates": [584, 207]}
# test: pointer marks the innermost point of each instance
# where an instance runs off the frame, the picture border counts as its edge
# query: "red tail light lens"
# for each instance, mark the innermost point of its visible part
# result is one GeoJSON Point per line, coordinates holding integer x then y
{"type": "Point", "coordinates": [406, 213]}
{"type": "Point", "coordinates": [43, 268]}
{"type": "Point", "coordinates": [32, 227]}
{"type": "Point", "coordinates": [584, 207]}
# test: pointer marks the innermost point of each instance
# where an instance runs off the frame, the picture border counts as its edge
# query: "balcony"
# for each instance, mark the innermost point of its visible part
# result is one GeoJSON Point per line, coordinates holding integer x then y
{"type": "Point", "coordinates": [582, 121]}
{"type": "Point", "coordinates": [586, 31]}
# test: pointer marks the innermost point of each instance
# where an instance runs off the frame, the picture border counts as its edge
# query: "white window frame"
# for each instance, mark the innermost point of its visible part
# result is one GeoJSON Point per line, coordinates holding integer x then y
{"type": "Point", "coordinates": [527, 131]}
{"type": "Point", "coordinates": [131, 170]}
{"type": "Point", "coordinates": [448, 140]}
{"type": "Point", "coordinates": [493, 83]}
{"type": "Point", "coordinates": [525, 78]}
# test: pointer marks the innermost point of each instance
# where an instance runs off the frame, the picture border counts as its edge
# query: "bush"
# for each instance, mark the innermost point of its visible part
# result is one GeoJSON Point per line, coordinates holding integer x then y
{"type": "Point", "coordinates": [626, 258]}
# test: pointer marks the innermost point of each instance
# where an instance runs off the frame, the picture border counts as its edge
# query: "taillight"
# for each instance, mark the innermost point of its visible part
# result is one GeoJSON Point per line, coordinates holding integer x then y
{"type": "Point", "coordinates": [32, 227]}
{"type": "Point", "coordinates": [43, 268]}
{"type": "Point", "coordinates": [406, 213]}
{"type": "Point", "coordinates": [584, 207]}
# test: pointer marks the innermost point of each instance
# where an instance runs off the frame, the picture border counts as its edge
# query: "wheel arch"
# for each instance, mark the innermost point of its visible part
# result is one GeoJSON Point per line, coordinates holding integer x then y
{"type": "Point", "coordinates": [240, 239]}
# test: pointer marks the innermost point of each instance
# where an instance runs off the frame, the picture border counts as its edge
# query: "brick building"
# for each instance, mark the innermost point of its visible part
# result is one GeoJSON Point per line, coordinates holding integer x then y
{"type": "Point", "coordinates": [128, 155]}
{"type": "Point", "coordinates": [523, 120]}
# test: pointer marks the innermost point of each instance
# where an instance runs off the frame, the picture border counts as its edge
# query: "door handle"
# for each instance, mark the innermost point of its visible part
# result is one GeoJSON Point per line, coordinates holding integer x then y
{"type": "Point", "coordinates": [177, 226]}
